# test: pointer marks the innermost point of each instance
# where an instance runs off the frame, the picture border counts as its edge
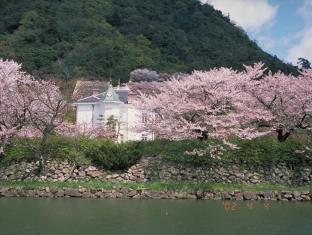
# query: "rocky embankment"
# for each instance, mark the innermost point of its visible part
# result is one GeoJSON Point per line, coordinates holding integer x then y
{"type": "Point", "coordinates": [127, 193]}
{"type": "Point", "coordinates": [155, 170]}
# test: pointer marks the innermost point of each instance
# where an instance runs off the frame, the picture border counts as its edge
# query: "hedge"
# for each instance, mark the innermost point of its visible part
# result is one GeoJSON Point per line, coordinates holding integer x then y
{"type": "Point", "coordinates": [100, 151]}
{"type": "Point", "coordinates": [112, 156]}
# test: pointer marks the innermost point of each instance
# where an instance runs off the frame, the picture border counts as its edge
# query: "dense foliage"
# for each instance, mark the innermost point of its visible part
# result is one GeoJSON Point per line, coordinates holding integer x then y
{"type": "Point", "coordinates": [109, 38]}
{"type": "Point", "coordinates": [263, 150]}
{"type": "Point", "coordinates": [81, 150]}
{"type": "Point", "coordinates": [111, 155]}
{"type": "Point", "coordinates": [104, 152]}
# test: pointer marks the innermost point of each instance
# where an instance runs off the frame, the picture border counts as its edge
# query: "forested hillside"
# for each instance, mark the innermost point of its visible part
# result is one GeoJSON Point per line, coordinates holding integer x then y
{"type": "Point", "coordinates": [109, 38]}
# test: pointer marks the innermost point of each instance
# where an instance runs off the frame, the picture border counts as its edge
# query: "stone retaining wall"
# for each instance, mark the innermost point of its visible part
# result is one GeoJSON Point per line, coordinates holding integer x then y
{"type": "Point", "coordinates": [229, 173]}
{"type": "Point", "coordinates": [153, 169]}
{"type": "Point", "coordinates": [123, 193]}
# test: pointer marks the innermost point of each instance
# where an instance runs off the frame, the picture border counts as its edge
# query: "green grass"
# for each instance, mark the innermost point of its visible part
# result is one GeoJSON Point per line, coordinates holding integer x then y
{"type": "Point", "coordinates": [155, 186]}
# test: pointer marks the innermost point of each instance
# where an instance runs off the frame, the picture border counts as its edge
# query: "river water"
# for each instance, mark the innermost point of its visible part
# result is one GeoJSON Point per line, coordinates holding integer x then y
{"type": "Point", "coordinates": [23, 216]}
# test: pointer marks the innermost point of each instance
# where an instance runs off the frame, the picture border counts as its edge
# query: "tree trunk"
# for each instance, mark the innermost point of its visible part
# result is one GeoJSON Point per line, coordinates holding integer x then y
{"type": "Point", "coordinates": [3, 143]}
{"type": "Point", "coordinates": [43, 153]}
{"type": "Point", "coordinates": [71, 172]}
{"type": "Point", "coordinates": [1, 152]}
{"type": "Point", "coordinates": [42, 164]}
{"type": "Point", "coordinates": [203, 135]}
{"type": "Point", "coordinates": [281, 136]}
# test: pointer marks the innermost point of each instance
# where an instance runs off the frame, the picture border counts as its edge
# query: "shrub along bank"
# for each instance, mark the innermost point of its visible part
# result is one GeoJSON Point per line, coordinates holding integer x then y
{"type": "Point", "coordinates": [82, 151]}
{"type": "Point", "coordinates": [264, 151]}
{"type": "Point", "coordinates": [111, 156]}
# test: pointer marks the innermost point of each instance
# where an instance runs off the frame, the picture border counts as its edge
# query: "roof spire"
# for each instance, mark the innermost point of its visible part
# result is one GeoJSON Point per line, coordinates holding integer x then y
{"type": "Point", "coordinates": [110, 94]}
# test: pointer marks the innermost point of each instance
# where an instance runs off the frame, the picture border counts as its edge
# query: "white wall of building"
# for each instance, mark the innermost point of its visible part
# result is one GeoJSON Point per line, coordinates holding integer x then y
{"type": "Point", "coordinates": [84, 114]}
{"type": "Point", "coordinates": [134, 120]}
{"type": "Point", "coordinates": [127, 117]}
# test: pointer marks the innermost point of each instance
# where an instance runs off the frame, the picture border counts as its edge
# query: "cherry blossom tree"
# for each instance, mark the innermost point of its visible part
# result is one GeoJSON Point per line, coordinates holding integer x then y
{"type": "Point", "coordinates": [46, 112]}
{"type": "Point", "coordinates": [206, 103]}
{"type": "Point", "coordinates": [143, 75]}
{"type": "Point", "coordinates": [26, 104]}
{"type": "Point", "coordinates": [85, 130]}
{"type": "Point", "coordinates": [144, 87]}
{"type": "Point", "coordinates": [14, 100]}
{"type": "Point", "coordinates": [34, 108]}
{"type": "Point", "coordinates": [287, 99]}
{"type": "Point", "coordinates": [224, 102]}
{"type": "Point", "coordinates": [139, 75]}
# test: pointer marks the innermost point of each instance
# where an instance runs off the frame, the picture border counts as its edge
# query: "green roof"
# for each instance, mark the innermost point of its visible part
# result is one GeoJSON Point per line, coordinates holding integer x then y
{"type": "Point", "coordinates": [110, 95]}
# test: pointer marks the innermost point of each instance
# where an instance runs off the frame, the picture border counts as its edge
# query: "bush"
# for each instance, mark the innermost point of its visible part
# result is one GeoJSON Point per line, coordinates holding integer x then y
{"type": "Point", "coordinates": [194, 152]}
{"type": "Point", "coordinates": [152, 148]}
{"type": "Point", "coordinates": [69, 148]}
{"type": "Point", "coordinates": [105, 152]}
{"type": "Point", "coordinates": [112, 156]}
{"type": "Point", "coordinates": [20, 149]}
{"type": "Point", "coordinates": [265, 150]}
{"type": "Point", "coordinates": [100, 151]}
{"type": "Point", "coordinates": [268, 150]}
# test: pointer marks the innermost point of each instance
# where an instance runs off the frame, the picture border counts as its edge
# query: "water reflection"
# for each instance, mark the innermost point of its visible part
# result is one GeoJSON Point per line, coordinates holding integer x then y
{"type": "Point", "coordinates": [250, 205]}
{"type": "Point", "coordinates": [229, 206]}
{"type": "Point", "coordinates": [233, 206]}
{"type": "Point", "coordinates": [152, 217]}
{"type": "Point", "coordinates": [266, 205]}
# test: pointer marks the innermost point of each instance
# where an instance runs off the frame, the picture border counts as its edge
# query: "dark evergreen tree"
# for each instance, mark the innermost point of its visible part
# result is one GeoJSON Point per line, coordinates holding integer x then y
{"type": "Point", "coordinates": [304, 63]}
{"type": "Point", "coordinates": [110, 38]}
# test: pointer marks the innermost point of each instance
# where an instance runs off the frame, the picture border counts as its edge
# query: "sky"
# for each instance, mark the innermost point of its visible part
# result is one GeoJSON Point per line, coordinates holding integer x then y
{"type": "Point", "coordinates": [280, 27]}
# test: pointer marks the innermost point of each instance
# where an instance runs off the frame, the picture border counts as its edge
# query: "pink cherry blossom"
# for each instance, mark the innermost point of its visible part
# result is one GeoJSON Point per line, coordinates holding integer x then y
{"type": "Point", "coordinates": [14, 100]}
{"type": "Point", "coordinates": [224, 102]}
{"type": "Point", "coordinates": [287, 100]}
{"type": "Point", "coordinates": [84, 130]}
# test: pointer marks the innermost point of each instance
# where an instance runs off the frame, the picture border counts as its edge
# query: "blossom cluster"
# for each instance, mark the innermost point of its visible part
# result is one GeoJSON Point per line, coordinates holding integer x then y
{"type": "Point", "coordinates": [224, 102]}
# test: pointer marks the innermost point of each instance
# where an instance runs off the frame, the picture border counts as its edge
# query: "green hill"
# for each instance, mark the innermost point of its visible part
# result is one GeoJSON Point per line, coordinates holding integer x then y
{"type": "Point", "coordinates": [109, 38]}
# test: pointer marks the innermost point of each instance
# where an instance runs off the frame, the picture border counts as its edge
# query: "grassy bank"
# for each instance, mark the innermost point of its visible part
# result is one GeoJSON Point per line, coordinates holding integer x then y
{"type": "Point", "coordinates": [155, 186]}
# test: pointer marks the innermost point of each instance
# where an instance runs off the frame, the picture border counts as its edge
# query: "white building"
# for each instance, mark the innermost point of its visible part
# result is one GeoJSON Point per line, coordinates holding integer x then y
{"type": "Point", "coordinates": [112, 104]}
